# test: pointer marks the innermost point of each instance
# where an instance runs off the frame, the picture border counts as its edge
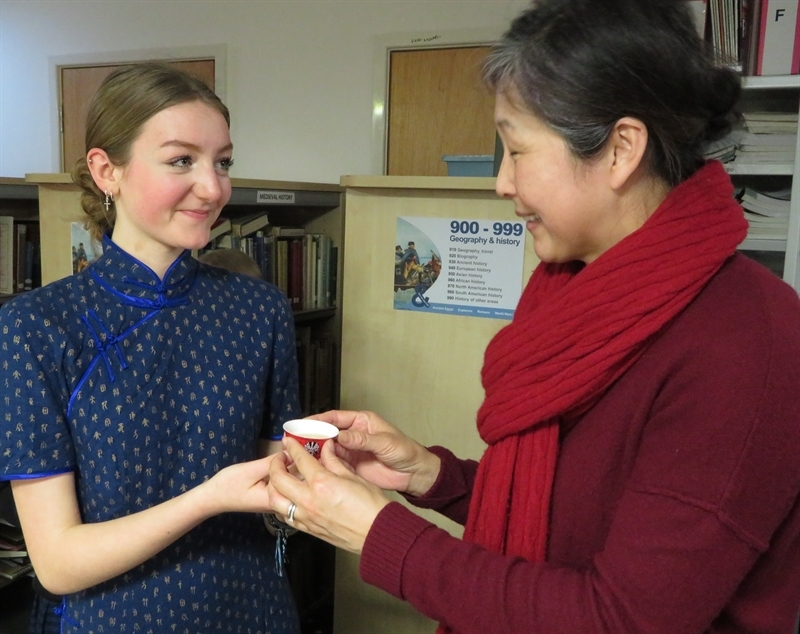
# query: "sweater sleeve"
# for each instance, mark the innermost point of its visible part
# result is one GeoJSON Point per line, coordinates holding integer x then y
{"type": "Point", "coordinates": [474, 591]}
{"type": "Point", "coordinates": [451, 493]}
{"type": "Point", "coordinates": [708, 512]}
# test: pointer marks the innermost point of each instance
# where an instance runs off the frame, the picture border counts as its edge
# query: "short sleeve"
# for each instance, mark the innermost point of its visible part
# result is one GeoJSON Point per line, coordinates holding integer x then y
{"type": "Point", "coordinates": [34, 433]}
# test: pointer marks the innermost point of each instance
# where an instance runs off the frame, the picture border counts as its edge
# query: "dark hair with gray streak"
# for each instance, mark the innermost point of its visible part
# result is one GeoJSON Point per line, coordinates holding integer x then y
{"type": "Point", "coordinates": [581, 65]}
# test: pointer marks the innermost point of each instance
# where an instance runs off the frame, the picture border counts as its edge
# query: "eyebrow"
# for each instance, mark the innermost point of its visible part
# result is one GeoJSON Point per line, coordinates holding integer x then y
{"type": "Point", "coordinates": [192, 146]}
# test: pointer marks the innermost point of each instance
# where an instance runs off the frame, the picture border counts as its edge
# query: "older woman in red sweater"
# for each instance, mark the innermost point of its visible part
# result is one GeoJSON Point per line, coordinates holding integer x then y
{"type": "Point", "coordinates": [642, 410]}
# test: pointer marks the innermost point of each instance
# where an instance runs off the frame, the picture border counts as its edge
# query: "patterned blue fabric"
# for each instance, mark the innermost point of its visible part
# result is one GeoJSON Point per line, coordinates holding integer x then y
{"type": "Point", "coordinates": [144, 389]}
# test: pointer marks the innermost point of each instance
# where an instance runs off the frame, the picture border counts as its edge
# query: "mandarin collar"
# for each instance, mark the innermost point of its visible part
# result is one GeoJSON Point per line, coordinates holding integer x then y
{"type": "Point", "coordinates": [136, 283]}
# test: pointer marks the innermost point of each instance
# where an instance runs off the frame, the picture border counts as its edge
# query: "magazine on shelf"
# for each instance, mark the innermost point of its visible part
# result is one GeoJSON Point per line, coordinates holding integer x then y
{"type": "Point", "coordinates": [765, 122]}
{"type": "Point", "coordinates": [774, 204]}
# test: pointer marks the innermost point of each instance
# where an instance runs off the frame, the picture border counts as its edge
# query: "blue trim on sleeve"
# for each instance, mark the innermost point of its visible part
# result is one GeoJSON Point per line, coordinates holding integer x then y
{"type": "Point", "coordinates": [34, 476]}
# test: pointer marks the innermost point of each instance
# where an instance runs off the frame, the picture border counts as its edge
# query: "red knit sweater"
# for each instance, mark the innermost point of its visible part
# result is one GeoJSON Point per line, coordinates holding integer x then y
{"type": "Point", "coordinates": [675, 503]}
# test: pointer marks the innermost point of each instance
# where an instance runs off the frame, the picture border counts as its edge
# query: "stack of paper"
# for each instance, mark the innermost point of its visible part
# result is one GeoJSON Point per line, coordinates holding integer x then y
{"type": "Point", "coordinates": [767, 147]}
{"type": "Point", "coordinates": [763, 122]}
{"type": "Point", "coordinates": [766, 212]}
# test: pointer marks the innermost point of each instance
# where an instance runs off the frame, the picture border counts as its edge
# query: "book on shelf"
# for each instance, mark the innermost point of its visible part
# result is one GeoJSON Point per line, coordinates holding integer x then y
{"type": "Point", "coordinates": [699, 9]}
{"type": "Point", "coordinates": [225, 242]}
{"type": "Point", "coordinates": [770, 140]}
{"type": "Point", "coordinates": [766, 212]}
{"type": "Point", "coordinates": [309, 271]}
{"type": "Point", "coordinates": [30, 264]}
{"type": "Point", "coordinates": [282, 266]}
{"type": "Point", "coordinates": [12, 554]}
{"type": "Point", "coordinates": [773, 204]}
{"type": "Point", "coordinates": [11, 538]}
{"type": "Point", "coordinates": [20, 265]}
{"type": "Point", "coordinates": [771, 222]}
{"type": "Point", "coordinates": [20, 258]}
{"type": "Point", "coordinates": [724, 27]}
{"type": "Point", "coordinates": [303, 266]}
{"type": "Point", "coordinates": [770, 122]}
{"type": "Point", "coordinates": [295, 274]}
{"type": "Point", "coordinates": [758, 37]}
{"type": "Point", "coordinates": [280, 231]}
{"type": "Point", "coordinates": [759, 231]}
{"type": "Point", "coordinates": [325, 366]}
{"type": "Point", "coordinates": [222, 225]}
{"type": "Point", "coordinates": [763, 137]}
{"type": "Point", "coordinates": [723, 150]}
{"type": "Point", "coordinates": [7, 240]}
{"type": "Point", "coordinates": [751, 27]}
{"type": "Point", "coordinates": [302, 338]}
{"type": "Point", "coordinates": [12, 569]}
{"type": "Point", "coordinates": [243, 226]}
{"type": "Point", "coordinates": [316, 359]}
{"type": "Point", "coordinates": [264, 255]}
{"type": "Point", "coordinates": [778, 52]}
{"type": "Point", "coordinates": [333, 275]}
{"type": "Point", "coordinates": [776, 156]}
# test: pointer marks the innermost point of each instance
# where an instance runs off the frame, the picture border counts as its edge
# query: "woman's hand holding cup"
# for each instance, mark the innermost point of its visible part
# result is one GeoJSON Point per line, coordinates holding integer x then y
{"type": "Point", "coordinates": [381, 454]}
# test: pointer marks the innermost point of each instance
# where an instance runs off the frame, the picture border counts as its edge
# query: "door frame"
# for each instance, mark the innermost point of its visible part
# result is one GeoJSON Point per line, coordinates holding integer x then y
{"type": "Point", "coordinates": [383, 46]}
{"type": "Point", "coordinates": [217, 52]}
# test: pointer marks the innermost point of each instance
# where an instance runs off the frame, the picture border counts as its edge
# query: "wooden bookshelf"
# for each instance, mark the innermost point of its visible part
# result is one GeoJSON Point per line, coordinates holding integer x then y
{"type": "Point", "coordinates": [19, 200]}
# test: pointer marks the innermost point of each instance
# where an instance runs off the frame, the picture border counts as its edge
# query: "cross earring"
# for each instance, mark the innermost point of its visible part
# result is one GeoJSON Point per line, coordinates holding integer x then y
{"type": "Point", "coordinates": [109, 199]}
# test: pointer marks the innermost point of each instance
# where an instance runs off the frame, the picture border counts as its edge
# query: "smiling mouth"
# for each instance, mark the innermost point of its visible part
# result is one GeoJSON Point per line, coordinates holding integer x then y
{"type": "Point", "coordinates": [204, 213]}
{"type": "Point", "coordinates": [531, 218]}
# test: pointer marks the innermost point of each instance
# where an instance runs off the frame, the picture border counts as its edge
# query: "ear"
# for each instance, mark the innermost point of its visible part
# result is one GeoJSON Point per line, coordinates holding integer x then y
{"type": "Point", "coordinates": [626, 146]}
{"type": "Point", "coordinates": [106, 175]}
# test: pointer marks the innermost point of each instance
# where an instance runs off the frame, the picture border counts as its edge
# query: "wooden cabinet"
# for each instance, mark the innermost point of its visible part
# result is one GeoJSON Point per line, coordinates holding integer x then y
{"type": "Point", "coordinates": [419, 370]}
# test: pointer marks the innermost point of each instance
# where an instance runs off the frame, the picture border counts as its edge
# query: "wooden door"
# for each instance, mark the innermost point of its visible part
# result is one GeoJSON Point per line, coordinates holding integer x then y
{"type": "Point", "coordinates": [437, 106]}
{"type": "Point", "coordinates": [78, 84]}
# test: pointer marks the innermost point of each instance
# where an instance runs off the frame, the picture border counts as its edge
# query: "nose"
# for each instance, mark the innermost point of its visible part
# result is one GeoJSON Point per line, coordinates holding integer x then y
{"type": "Point", "coordinates": [209, 186]}
{"type": "Point", "coordinates": [504, 185]}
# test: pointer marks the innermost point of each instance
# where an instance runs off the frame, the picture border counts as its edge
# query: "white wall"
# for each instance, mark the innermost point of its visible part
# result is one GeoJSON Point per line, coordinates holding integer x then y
{"type": "Point", "coordinates": [299, 72]}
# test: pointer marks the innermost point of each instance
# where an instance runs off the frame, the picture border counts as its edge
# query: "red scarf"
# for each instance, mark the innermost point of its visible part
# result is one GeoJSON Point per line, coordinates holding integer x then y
{"type": "Point", "coordinates": [575, 331]}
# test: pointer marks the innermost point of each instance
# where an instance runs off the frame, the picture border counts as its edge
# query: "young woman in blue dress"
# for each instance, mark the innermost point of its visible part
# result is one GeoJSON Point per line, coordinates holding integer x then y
{"type": "Point", "coordinates": [141, 394]}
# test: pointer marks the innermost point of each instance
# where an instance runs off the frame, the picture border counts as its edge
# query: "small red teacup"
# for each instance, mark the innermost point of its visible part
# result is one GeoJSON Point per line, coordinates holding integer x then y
{"type": "Point", "coordinates": [310, 433]}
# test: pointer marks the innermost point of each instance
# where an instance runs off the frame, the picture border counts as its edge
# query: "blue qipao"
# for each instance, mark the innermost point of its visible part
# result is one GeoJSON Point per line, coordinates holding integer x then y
{"type": "Point", "coordinates": [143, 389]}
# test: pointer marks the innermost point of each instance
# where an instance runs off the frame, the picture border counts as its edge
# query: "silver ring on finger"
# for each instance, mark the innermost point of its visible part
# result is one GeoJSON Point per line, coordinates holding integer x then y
{"type": "Point", "coordinates": [290, 513]}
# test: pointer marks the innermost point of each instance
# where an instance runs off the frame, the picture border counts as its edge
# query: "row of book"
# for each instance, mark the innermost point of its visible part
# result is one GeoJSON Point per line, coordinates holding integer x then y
{"type": "Point", "coordinates": [303, 265]}
{"type": "Point", "coordinates": [14, 560]}
{"type": "Point", "coordinates": [757, 36]}
{"type": "Point", "coordinates": [317, 361]}
{"type": "Point", "coordinates": [767, 212]}
{"type": "Point", "coordinates": [19, 255]}
{"type": "Point", "coordinates": [764, 138]}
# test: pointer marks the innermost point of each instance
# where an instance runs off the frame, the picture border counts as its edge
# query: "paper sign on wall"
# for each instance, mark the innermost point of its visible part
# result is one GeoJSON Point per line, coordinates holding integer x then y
{"type": "Point", "coordinates": [84, 249]}
{"type": "Point", "coordinates": [459, 267]}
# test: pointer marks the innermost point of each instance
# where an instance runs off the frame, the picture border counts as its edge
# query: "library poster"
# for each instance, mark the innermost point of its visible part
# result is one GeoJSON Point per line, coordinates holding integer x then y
{"type": "Point", "coordinates": [462, 267]}
{"type": "Point", "coordinates": [84, 249]}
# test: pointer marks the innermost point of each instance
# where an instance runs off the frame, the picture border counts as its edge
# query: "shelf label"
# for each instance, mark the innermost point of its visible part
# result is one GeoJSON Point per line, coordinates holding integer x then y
{"type": "Point", "coordinates": [275, 198]}
{"type": "Point", "coordinates": [459, 267]}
